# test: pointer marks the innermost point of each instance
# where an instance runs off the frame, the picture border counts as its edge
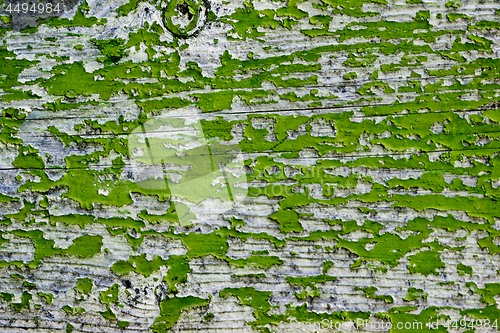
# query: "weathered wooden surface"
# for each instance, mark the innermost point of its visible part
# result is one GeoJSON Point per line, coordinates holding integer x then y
{"type": "Point", "coordinates": [365, 184]}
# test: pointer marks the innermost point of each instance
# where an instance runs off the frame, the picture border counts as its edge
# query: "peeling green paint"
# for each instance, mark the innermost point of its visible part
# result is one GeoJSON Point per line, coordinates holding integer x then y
{"type": "Point", "coordinates": [425, 120]}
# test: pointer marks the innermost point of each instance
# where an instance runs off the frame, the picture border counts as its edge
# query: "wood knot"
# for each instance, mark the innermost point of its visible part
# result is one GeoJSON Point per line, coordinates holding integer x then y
{"type": "Point", "coordinates": [185, 18]}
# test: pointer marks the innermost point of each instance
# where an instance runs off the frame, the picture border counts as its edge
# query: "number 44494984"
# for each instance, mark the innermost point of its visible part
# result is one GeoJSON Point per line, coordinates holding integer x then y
{"type": "Point", "coordinates": [38, 8]}
{"type": "Point", "coordinates": [479, 323]}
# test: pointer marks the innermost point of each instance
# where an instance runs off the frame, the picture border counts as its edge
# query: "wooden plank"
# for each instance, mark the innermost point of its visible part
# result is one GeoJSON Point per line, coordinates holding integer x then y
{"type": "Point", "coordinates": [230, 166]}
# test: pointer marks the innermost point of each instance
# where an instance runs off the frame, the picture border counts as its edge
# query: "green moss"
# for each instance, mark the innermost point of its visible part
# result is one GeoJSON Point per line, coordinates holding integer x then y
{"type": "Point", "coordinates": [25, 212]}
{"type": "Point", "coordinates": [78, 179]}
{"type": "Point", "coordinates": [365, 210]}
{"type": "Point", "coordinates": [16, 95]}
{"type": "Point", "coordinates": [235, 223]}
{"type": "Point", "coordinates": [175, 210]}
{"type": "Point", "coordinates": [485, 25]}
{"type": "Point", "coordinates": [402, 315]}
{"type": "Point", "coordinates": [490, 312]}
{"type": "Point", "coordinates": [177, 273]}
{"type": "Point", "coordinates": [6, 198]}
{"type": "Point", "coordinates": [6, 19]}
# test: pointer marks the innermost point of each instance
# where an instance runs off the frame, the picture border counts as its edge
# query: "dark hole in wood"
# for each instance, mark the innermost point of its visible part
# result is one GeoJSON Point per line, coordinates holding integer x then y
{"type": "Point", "coordinates": [183, 8]}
